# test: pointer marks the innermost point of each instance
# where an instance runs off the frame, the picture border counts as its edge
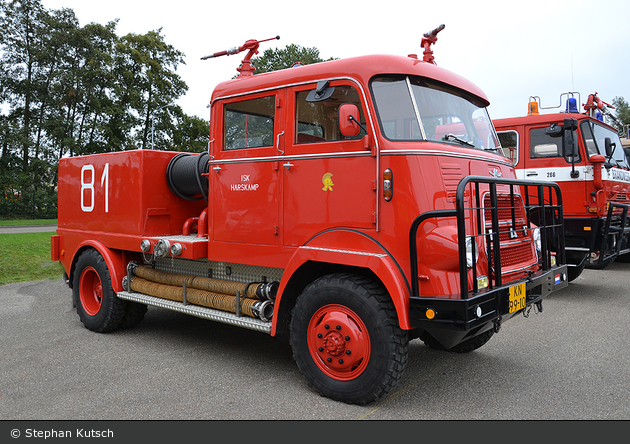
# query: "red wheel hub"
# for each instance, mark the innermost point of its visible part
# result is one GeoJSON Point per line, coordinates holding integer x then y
{"type": "Point", "coordinates": [90, 291]}
{"type": "Point", "coordinates": [339, 342]}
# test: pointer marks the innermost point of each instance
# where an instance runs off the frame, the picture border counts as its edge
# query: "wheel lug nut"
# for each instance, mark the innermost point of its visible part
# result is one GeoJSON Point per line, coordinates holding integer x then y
{"type": "Point", "coordinates": [326, 326]}
{"type": "Point", "coordinates": [341, 361]}
{"type": "Point", "coordinates": [348, 352]}
{"type": "Point", "coordinates": [338, 327]}
{"type": "Point", "coordinates": [320, 335]}
{"type": "Point", "coordinates": [347, 338]}
{"type": "Point", "coordinates": [321, 349]}
{"type": "Point", "coordinates": [329, 359]}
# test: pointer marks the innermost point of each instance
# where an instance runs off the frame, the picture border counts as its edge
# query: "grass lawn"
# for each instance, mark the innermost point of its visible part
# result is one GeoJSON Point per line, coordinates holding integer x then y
{"type": "Point", "coordinates": [26, 257]}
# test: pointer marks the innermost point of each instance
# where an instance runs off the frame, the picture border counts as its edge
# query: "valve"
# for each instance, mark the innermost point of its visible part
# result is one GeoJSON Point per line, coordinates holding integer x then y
{"type": "Point", "coordinates": [246, 68]}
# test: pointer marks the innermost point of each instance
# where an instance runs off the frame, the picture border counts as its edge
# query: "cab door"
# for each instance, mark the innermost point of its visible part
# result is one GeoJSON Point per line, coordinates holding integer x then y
{"type": "Point", "coordinates": [328, 179]}
{"type": "Point", "coordinates": [544, 161]}
{"type": "Point", "coordinates": [244, 170]}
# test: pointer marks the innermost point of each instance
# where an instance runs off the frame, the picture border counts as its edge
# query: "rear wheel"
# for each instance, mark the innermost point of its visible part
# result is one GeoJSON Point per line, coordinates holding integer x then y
{"type": "Point", "coordinates": [98, 307]}
{"type": "Point", "coordinates": [346, 339]}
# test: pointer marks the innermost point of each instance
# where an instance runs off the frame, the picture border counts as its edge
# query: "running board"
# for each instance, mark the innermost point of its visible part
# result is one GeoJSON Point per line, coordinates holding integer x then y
{"type": "Point", "coordinates": [199, 311]}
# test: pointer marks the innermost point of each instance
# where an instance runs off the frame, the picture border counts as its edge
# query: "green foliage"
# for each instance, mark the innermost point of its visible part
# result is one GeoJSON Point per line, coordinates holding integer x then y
{"type": "Point", "coordinates": [275, 59]}
{"type": "Point", "coordinates": [622, 113]}
{"type": "Point", "coordinates": [69, 90]}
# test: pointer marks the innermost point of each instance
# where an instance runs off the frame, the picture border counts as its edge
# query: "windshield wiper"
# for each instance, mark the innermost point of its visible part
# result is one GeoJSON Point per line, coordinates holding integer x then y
{"type": "Point", "coordinates": [457, 139]}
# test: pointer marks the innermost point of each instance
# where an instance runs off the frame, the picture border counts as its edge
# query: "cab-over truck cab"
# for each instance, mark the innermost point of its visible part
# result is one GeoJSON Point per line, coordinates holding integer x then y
{"type": "Point", "coordinates": [584, 155]}
{"type": "Point", "coordinates": [350, 205]}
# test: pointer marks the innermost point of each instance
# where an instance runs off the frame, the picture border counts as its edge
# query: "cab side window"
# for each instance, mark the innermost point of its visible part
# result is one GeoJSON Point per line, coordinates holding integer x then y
{"type": "Point", "coordinates": [317, 113]}
{"type": "Point", "coordinates": [509, 144]}
{"type": "Point", "coordinates": [248, 123]}
{"type": "Point", "coordinates": [543, 145]}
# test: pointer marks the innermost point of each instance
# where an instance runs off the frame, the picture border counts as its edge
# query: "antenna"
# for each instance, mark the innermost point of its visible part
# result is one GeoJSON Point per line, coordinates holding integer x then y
{"type": "Point", "coordinates": [246, 68]}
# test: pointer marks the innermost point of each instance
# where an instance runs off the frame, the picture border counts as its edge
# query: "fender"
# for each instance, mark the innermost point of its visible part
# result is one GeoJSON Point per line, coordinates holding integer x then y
{"type": "Point", "coordinates": [113, 259]}
{"type": "Point", "coordinates": [352, 248]}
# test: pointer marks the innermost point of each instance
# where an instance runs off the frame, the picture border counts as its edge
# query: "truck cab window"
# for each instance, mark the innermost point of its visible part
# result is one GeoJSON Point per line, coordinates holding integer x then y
{"type": "Point", "coordinates": [509, 144]}
{"type": "Point", "coordinates": [413, 109]}
{"type": "Point", "coordinates": [318, 121]}
{"type": "Point", "coordinates": [594, 136]}
{"type": "Point", "coordinates": [543, 145]}
{"type": "Point", "coordinates": [248, 123]}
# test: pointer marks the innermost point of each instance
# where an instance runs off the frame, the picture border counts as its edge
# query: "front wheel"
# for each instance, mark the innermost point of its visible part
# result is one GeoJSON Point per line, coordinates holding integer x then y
{"type": "Point", "coordinates": [98, 307]}
{"type": "Point", "coordinates": [346, 339]}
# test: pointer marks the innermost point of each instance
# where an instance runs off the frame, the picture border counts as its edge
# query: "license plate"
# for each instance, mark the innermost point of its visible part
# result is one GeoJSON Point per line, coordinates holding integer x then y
{"type": "Point", "coordinates": [517, 297]}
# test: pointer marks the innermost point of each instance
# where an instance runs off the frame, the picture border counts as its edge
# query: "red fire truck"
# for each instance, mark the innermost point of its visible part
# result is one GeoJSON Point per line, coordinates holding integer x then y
{"type": "Point", "coordinates": [349, 206]}
{"type": "Point", "coordinates": [585, 156]}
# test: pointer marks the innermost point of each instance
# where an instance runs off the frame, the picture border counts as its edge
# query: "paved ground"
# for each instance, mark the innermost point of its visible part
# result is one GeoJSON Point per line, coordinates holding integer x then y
{"type": "Point", "coordinates": [28, 229]}
{"type": "Point", "coordinates": [569, 362]}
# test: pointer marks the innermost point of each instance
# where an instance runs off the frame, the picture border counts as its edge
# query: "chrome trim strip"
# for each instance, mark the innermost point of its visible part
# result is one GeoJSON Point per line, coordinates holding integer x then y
{"type": "Point", "coordinates": [421, 152]}
{"type": "Point", "coordinates": [333, 250]}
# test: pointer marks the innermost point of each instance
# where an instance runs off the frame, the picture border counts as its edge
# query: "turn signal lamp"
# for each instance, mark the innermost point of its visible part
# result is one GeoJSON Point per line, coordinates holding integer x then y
{"type": "Point", "coordinates": [533, 109]}
{"type": "Point", "coordinates": [430, 313]}
{"type": "Point", "coordinates": [388, 185]}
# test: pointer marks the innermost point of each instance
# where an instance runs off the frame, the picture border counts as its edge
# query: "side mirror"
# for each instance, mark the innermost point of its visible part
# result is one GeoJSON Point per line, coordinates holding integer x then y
{"type": "Point", "coordinates": [553, 130]}
{"type": "Point", "coordinates": [349, 124]}
{"type": "Point", "coordinates": [610, 147]}
{"type": "Point", "coordinates": [569, 148]}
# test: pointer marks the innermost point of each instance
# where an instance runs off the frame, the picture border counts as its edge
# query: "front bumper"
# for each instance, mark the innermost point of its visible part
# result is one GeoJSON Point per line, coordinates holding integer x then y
{"type": "Point", "coordinates": [458, 319]}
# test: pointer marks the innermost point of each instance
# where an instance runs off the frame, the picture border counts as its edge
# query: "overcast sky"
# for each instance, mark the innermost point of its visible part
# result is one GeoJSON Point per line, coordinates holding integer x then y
{"type": "Point", "coordinates": [511, 50]}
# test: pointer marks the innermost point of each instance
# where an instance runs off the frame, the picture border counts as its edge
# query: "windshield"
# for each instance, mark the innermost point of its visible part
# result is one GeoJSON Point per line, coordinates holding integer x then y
{"type": "Point", "coordinates": [594, 139]}
{"type": "Point", "coordinates": [414, 109]}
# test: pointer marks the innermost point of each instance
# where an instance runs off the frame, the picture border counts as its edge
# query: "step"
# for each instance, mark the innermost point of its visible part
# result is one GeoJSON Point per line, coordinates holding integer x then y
{"type": "Point", "coordinates": [199, 311]}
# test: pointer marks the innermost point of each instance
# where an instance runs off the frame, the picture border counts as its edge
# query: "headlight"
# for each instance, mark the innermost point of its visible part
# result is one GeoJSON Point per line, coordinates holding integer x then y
{"type": "Point", "coordinates": [471, 249]}
{"type": "Point", "coordinates": [536, 234]}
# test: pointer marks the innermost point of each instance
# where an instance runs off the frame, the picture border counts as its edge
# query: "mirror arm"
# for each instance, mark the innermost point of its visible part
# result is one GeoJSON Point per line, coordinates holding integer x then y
{"type": "Point", "coordinates": [351, 117]}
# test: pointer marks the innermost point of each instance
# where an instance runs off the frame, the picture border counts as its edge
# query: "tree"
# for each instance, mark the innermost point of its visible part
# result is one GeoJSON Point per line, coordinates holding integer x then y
{"type": "Point", "coordinates": [149, 82]}
{"type": "Point", "coordinates": [622, 113]}
{"type": "Point", "coordinates": [191, 134]}
{"type": "Point", "coordinates": [21, 52]}
{"type": "Point", "coordinates": [275, 59]}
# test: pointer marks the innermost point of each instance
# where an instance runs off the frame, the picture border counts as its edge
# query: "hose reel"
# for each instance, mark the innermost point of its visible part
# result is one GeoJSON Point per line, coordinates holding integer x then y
{"type": "Point", "coordinates": [187, 176]}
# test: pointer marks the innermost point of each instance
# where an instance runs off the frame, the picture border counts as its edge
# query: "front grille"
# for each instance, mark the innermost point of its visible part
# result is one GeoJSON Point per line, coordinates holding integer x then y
{"type": "Point", "coordinates": [517, 248]}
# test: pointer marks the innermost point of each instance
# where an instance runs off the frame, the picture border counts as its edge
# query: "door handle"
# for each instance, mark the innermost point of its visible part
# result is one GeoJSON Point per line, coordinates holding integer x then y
{"type": "Point", "coordinates": [531, 173]}
{"type": "Point", "coordinates": [288, 165]}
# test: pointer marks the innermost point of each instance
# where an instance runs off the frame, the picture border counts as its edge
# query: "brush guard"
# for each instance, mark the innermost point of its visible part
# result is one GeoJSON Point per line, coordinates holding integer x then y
{"type": "Point", "coordinates": [615, 227]}
{"type": "Point", "coordinates": [478, 310]}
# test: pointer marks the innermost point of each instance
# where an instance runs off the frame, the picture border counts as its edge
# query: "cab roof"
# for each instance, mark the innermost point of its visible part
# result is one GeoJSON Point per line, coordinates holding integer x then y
{"type": "Point", "coordinates": [361, 68]}
{"type": "Point", "coordinates": [542, 119]}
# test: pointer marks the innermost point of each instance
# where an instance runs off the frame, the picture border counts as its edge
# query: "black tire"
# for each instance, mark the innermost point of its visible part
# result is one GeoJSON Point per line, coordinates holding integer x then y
{"type": "Point", "coordinates": [467, 346]}
{"type": "Point", "coordinates": [134, 314]}
{"type": "Point", "coordinates": [472, 344]}
{"type": "Point", "coordinates": [97, 305]}
{"type": "Point", "coordinates": [346, 339]}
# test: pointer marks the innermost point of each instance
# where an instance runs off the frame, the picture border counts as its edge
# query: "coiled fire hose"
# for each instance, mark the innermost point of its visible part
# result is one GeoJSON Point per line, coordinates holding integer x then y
{"type": "Point", "coordinates": [254, 299]}
{"type": "Point", "coordinates": [262, 291]}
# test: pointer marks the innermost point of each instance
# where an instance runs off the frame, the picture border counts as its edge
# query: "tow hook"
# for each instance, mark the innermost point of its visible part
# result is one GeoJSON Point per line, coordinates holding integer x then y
{"type": "Point", "coordinates": [497, 325]}
{"type": "Point", "coordinates": [539, 306]}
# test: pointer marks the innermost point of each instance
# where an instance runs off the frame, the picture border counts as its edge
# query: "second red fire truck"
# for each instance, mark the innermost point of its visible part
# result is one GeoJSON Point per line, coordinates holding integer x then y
{"type": "Point", "coordinates": [585, 156]}
{"type": "Point", "coordinates": [349, 205]}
